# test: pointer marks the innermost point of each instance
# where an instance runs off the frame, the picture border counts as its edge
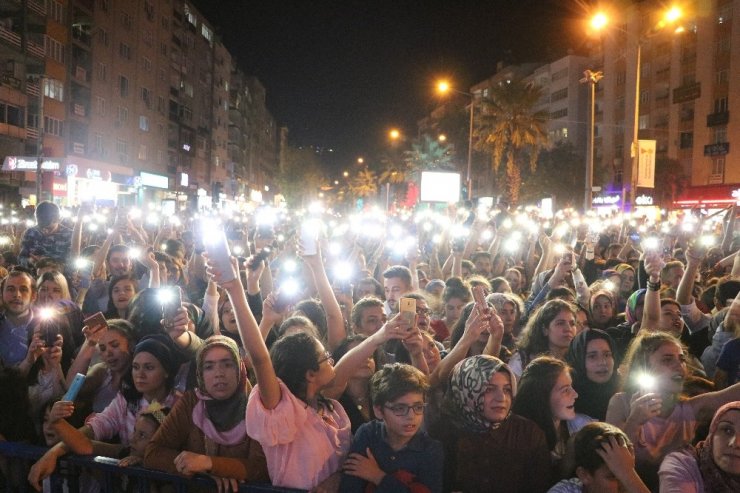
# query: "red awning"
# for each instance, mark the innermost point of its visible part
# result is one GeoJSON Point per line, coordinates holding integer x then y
{"type": "Point", "coordinates": [708, 197]}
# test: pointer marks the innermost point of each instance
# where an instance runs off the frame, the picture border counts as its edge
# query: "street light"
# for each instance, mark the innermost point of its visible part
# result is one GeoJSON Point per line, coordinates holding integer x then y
{"type": "Point", "coordinates": [590, 78]}
{"type": "Point", "coordinates": [442, 138]}
{"type": "Point", "coordinates": [394, 134]}
{"type": "Point", "coordinates": [443, 87]}
{"type": "Point", "coordinates": [599, 22]}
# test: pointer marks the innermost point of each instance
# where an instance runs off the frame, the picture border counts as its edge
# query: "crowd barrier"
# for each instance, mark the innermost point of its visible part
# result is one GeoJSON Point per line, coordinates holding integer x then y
{"type": "Point", "coordinates": [21, 456]}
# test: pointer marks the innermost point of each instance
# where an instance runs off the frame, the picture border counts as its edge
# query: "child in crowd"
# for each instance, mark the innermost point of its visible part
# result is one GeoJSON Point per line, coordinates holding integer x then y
{"type": "Point", "coordinates": [393, 453]}
{"type": "Point", "coordinates": [604, 463]}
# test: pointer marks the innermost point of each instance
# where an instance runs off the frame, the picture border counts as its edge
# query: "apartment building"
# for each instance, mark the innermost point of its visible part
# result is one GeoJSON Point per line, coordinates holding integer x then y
{"type": "Point", "coordinates": [688, 86]}
{"type": "Point", "coordinates": [135, 106]}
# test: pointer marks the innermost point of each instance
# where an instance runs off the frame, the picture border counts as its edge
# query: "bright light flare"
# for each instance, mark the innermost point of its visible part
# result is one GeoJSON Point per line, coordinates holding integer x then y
{"type": "Point", "coordinates": [599, 21]}
{"type": "Point", "coordinates": [443, 86]}
{"type": "Point", "coordinates": [646, 382]}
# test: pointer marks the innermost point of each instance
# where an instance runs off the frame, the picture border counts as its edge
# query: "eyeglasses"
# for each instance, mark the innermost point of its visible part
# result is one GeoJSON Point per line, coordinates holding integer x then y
{"type": "Point", "coordinates": [403, 409]}
{"type": "Point", "coordinates": [425, 311]}
{"type": "Point", "coordinates": [327, 357]}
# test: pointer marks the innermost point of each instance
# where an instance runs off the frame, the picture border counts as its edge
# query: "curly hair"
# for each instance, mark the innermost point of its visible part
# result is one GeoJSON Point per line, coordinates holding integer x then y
{"type": "Point", "coordinates": [533, 340]}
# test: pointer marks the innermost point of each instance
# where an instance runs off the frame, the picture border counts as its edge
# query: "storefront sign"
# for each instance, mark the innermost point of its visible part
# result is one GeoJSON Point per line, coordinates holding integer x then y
{"type": "Point", "coordinates": [184, 179]}
{"type": "Point", "coordinates": [153, 180]}
{"type": "Point", "coordinates": [644, 200]}
{"type": "Point", "coordinates": [28, 163]}
{"type": "Point", "coordinates": [606, 200]}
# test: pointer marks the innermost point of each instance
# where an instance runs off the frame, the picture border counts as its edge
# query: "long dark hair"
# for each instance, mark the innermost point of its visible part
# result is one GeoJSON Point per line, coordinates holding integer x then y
{"type": "Point", "coordinates": [292, 356]}
{"type": "Point", "coordinates": [111, 311]}
{"type": "Point", "coordinates": [533, 340]}
{"type": "Point", "coordinates": [533, 394]}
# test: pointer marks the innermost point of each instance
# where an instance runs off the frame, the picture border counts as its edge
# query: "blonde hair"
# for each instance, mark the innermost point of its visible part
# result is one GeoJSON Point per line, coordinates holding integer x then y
{"type": "Point", "coordinates": [637, 360]}
{"type": "Point", "coordinates": [59, 279]}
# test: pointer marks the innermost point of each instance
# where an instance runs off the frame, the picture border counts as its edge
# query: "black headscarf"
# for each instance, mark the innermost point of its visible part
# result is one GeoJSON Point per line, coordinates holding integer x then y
{"type": "Point", "coordinates": [593, 398]}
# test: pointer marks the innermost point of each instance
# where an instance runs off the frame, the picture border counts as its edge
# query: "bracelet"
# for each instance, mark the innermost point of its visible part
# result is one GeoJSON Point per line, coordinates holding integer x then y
{"type": "Point", "coordinates": [653, 286]}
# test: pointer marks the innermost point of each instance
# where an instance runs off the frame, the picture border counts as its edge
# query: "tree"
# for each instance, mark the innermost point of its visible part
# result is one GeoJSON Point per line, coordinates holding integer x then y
{"type": "Point", "coordinates": [512, 131]}
{"type": "Point", "coordinates": [670, 181]}
{"type": "Point", "coordinates": [364, 184]}
{"type": "Point", "coordinates": [300, 177]}
{"type": "Point", "coordinates": [560, 173]}
{"type": "Point", "coordinates": [428, 154]}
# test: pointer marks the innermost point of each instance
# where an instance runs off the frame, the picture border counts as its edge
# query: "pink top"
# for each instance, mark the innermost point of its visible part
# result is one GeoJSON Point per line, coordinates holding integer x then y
{"type": "Point", "coordinates": [117, 419]}
{"type": "Point", "coordinates": [302, 447]}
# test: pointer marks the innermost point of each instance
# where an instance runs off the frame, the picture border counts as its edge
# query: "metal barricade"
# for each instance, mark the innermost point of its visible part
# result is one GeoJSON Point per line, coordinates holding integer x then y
{"type": "Point", "coordinates": [107, 474]}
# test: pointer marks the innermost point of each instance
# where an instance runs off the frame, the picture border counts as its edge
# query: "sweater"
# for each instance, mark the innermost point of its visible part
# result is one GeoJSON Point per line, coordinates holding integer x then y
{"type": "Point", "coordinates": [244, 461]}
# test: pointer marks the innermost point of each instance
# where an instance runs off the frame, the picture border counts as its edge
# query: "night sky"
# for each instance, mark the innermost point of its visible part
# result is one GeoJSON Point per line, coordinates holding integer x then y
{"type": "Point", "coordinates": [340, 73]}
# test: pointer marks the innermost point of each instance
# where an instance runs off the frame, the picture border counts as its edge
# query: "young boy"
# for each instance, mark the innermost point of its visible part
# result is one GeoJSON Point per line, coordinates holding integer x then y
{"type": "Point", "coordinates": [604, 463]}
{"type": "Point", "coordinates": [393, 453]}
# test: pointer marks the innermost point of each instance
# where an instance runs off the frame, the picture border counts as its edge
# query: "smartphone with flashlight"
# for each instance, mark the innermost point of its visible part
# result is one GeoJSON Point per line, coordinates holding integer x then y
{"type": "Point", "coordinates": [74, 388]}
{"type": "Point", "coordinates": [286, 294]}
{"type": "Point", "coordinates": [263, 255]}
{"type": "Point", "coordinates": [407, 308]}
{"type": "Point", "coordinates": [218, 251]}
{"type": "Point", "coordinates": [479, 295]}
{"type": "Point", "coordinates": [170, 298]}
{"type": "Point", "coordinates": [310, 237]}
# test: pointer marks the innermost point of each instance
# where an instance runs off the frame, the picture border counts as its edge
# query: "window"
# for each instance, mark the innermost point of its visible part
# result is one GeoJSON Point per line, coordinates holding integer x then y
{"type": "Point", "coordinates": [206, 33]}
{"type": "Point", "coordinates": [103, 5]}
{"type": "Point", "coordinates": [103, 36]}
{"type": "Point", "coordinates": [160, 104]}
{"type": "Point", "coordinates": [718, 166]}
{"type": "Point", "coordinates": [645, 70]}
{"type": "Point", "coordinates": [143, 123]}
{"type": "Point", "coordinates": [100, 106]}
{"type": "Point", "coordinates": [687, 140]}
{"type": "Point", "coordinates": [122, 147]}
{"type": "Point", "coordinates": [720, 105]}
{"type": "Point", "coordinates": [56, 11]}
{"type": "Point", "coordinates": [147, 37]}
{"type": "Point", "coordinates": [54, 49]}
{"type": "Point", "coordinates": [123, 86]}
{"type": "Point", "coordinates": [558, 95]}
{"type": "Point", "coordinates": [644, 97]}
{"type": "Point", "coordinates": [122, 114]}
{"type": "Point", "coordinates": [54, 89]}
{"type": "Point", "coordinates": [644, 122]}
{"type": "Point", "coordinates": [146, 64]}
{"type": "Point", "coordinates": [142, 152]}
{"type": "Point", "coordinates": [187, 114]}
{"type": "Point", "coordinates": [163, 48]}
{"type": "Point", "coordinates": [720, 134]}
{"type": "Point", "coordinates": [723, 45]}
{"type": "Point", "coordinates": [560, 74]}
{"type": "Point", "coordinates": [12, 115]}
{"type": "Point", "coordinates": [190, 16]}
{"type": "Point", "coordinates": [126, 20]}
{"type": "Point", "coordinates": [102, 72]}
{"type": "Point", "coordinates": [52, 126]}
{"type": "Point", "coordinates": [559, 114]}
{"type": "Point", "coordinates": [165, 23]}
{"type": "Point", "coordinates": [621, 78]}
{"type": "Point", "coordinates": [723, 76]}
{"type": "Point", "coordinates": [124, 51]}
{"type": "Point", "coordinates": [98, 142]}
{"type": "Point", "coordinates": [146, 96]}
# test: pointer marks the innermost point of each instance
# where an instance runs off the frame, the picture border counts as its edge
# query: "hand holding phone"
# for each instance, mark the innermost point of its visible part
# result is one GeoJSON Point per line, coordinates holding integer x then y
{"type": "Point", "coordinates": [96, 322]}
{"type": "Point", "coordinates": [407, 308]}
{"type": "Point", "coordinates": [219, 254]}
{"type": "Point", "coordinates": [74, 388]}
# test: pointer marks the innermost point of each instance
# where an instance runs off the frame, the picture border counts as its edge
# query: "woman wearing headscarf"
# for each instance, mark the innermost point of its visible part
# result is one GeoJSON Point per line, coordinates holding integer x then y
{"type": "Point", "coordinates": [488, 448]}
{"type": "Point", "coordinates": [206, 432]}
{"type": "Point", "coordinates": [713, 465]}
{"type": "Point", "coordinates": [591, 357]}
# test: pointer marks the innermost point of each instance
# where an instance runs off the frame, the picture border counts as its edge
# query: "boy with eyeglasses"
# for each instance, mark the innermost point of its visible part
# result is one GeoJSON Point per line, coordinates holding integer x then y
{"type": "Point", "coordinates": [393, 453]}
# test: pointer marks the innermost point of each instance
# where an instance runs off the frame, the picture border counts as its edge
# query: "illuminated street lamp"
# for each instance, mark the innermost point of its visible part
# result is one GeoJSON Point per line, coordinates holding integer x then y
{"type": "Point", "coordinates": [394, 134]}
{"type": "Point", "coordinates": [599, 22]}
{"type": "Point", "coordinates": [442, 138]}
{"type": "Point", "coordinates": [590, 78]}
{"type": "Point", "coordinates": [360, 160]}
{"type": "Point", "coordinates": [443, 87]}
{"type": "Point", "coordinates": [345, 174]}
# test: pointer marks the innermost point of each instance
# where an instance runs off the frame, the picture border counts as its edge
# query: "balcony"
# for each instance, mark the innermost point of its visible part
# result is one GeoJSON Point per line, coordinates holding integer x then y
{"type": "Point", "coordinates": [687, 92]}
{"type": "Point", "coordinates": [36, 50]}
{"type": "Point", "coordinates": [79, 110]}
{"type": "Point", "coordinates": [37, 7]}
{"type": "Point", "coordinates": [717, 149]}
{"type": "Point", "coordinates": [719, 118]}
{"type": "Point", "coordinates": [10, 37]}
{"type": "Point", "coordinates": [715, 179]}
{"type": "Point", "coordinates": [78, 148]}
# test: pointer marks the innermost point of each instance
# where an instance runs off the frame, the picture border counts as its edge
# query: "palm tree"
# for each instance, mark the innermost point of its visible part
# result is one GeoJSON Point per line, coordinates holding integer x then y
{"type": "Point", "coordinates": [512, 131]}
{"type": "Point", "coordinates": [364, 184]}
{"type": "Point", "coordinates": [429, 154]}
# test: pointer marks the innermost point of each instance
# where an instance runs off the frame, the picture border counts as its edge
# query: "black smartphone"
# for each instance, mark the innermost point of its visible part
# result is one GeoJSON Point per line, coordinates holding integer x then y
{"type": "Point", "coordinates": [171, 299]}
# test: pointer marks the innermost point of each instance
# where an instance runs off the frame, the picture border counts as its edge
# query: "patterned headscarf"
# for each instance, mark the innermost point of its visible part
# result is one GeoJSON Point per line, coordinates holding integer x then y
{"type": "Point", "coordinates": [630, 311]}
{"type": "Point", "coordinates": [715, 479]}
{"type": "Point", "coordinates": [468, 383]}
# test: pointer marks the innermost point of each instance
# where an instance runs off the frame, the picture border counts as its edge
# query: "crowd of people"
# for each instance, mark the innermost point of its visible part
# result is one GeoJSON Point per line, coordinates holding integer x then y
{"type": "Point", "coordinates": [463, 349]}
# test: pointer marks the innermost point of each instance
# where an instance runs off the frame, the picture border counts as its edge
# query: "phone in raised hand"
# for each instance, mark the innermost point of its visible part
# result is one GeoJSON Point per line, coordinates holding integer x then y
{"type": "Point", "coordinates": [74, 388]}
{"type": "Point", "coordinates": [407, 308]}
